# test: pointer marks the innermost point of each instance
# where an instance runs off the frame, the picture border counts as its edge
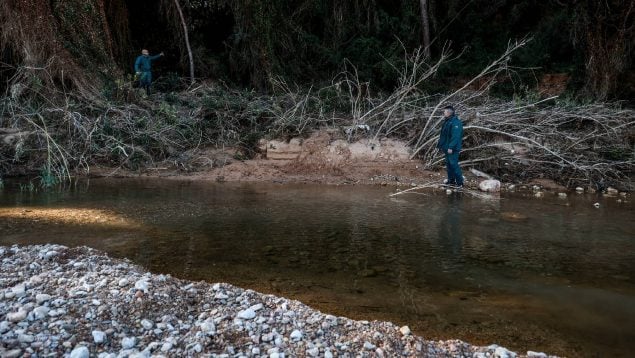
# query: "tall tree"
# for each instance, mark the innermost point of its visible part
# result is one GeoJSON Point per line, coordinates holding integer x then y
{"type": "Point", "coordinates": [606, 30]}
{"type": "Point", "coordinates": [425, 24]}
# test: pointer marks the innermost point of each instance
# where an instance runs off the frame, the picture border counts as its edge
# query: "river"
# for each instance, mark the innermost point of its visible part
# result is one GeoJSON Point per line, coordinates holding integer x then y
{"type": "Point", "coordinates": [551, 274]}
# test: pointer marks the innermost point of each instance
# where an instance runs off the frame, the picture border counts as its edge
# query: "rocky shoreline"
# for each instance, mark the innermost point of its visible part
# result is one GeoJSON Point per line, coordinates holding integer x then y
{"type": "Point", "coordinates": [78, 302]}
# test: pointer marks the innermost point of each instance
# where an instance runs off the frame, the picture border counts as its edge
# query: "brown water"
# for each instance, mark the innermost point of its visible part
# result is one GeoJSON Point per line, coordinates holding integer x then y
{"type": "Point", "coordinates": [549, 274]}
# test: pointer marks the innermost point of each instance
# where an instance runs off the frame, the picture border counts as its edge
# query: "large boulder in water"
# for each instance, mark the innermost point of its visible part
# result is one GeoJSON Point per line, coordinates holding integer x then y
{"type": "Point", "coordinates": [490, 185]}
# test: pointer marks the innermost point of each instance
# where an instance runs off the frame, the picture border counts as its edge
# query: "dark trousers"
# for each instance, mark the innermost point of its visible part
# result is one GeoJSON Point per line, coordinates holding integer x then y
{"type": "Point", "coordinates": [145, 81]}
{"type": "Point", "coordinates": [455, 177]}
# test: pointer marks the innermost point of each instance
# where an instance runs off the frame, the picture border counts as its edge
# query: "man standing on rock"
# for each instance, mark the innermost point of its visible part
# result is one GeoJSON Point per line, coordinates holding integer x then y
{"type": "Point", "coordinates": [450, 145]}
{"type": "Point", "coordinates": [143, 69]}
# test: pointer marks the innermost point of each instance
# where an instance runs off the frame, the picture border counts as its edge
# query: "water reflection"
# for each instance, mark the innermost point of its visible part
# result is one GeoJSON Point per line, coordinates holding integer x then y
{"type": "Point", "coordinates": [450, 231]}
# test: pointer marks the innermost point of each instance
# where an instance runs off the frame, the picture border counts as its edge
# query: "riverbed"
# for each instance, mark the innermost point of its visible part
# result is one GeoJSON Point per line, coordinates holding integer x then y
{"type": "Point", "coordinates": [550, 274]}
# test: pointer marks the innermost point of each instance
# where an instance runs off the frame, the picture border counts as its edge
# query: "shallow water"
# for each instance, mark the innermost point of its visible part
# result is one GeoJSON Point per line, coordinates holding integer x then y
{"type": "Point", "coordinates": [549, 274]}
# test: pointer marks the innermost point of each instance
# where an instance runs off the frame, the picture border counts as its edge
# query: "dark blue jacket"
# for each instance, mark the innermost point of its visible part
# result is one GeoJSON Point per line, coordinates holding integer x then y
{"type": "Point", "coordinates": [144, 63]}
{"type": "Point", "coordinates": [451, 135]}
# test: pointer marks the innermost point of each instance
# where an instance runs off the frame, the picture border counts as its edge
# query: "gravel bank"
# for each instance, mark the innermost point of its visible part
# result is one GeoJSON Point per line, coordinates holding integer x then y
{"type": "Point", "coordinates": [78, 302]}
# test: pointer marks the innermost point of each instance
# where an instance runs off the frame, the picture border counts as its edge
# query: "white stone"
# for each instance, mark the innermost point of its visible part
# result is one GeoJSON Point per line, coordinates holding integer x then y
{"type": "Point", "coordinates": [448, 191]}
{"type": "Point", "coordinates": [296, 335]}
{"type": "Point", "coordinates": [4, 326]}
{"type": "Point", "coordinates": [123, 282]}
{"type": "Point", "coordinates": [562, 195]}
{"type": "Point", "coordinates": [405, 330]}
{"type": "Point", "coordinates": [597, 205]}
{"type": "Point", "coordinates": [166, 347]}
{"type": "Point", "coordinates": [80, 352]}
{"type": "Point", "coordinates": [128, 342]}
{"type": "Point", "coordinates": [256, 307]}
{"type": "Point", "coordinates": [208, 327]}
{"type": "Point", "coordinates": [99, 337]}
{"type": "Point", "coordinates": [51, 254]}
{"type": "Point", "coordinates": [142, 285]}
{"type": "Point", "coordinates": [369, 346]}
{"type": "Point", "coordinates": [41, 312]}
{"type": "Point", "coordinates": [490, 186]}
{"type": "Point", "coordinates": [247, 314]}
{"type": "Point", "coordinates": [147, 325]}
{"type": "Point", "coordinates": [19, 290]}
{"type": "Point", "coordinates": [14, 353]}
{"type": "Point", "coordinates": [531, 354]}
{"type": "Point", "coordinates": [41, 298]}
{"type": "Point", "coordinates": [579, 190]}
{"type": "Point", "coordinates": [221, 296]}
{"type": "Point", "coordinates": [313, 352]}
{"type": "Point", "coordinates": [17, 316]}
{"type": "Point", "coordinates": [26, 338]}
{"type": "Point", "coordinates": [328, 354]}
{"type": "Point", "coordinates": [501, 352]}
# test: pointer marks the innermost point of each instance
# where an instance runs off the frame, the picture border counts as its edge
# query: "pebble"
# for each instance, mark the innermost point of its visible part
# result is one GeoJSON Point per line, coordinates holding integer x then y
{"type": "Point", "coordinates": [26, 338]}
{"type": "Point", "coordinates": [41, 298]}
{"type": "Point", "coordinates": [50, 254]}
{"type": "Point", "coordinates": [296, 335]}
{"type": "Point", "coordinates": [166, 347]}
{"type": "Point", "coordinates": [128, 342]}
{"type": "Point", "coordinates": [41, 312]}
{"type": "Point", "coordinates": [19, 290]}
{"type": "Point", "coordinates": [13, 353]}
{"type": "Point", "coordinates": [247, 314]}
{"type": "Point", "coordinates": [16, 316]}
{"type": "Point", "coordinates": [80, 352]}
{"type": "Point", "coordinates": [179, 318]}
{"type": "Point", "coordinates": [146, 324]}
{"type": "Point", "coordinates": [141, 285]}
{"type": "Point", "coordinates": [405, 330]}
{"type": "Point", "coordinates": [99, 337]}
{"type": "Point", "coordinates": [501, 352]}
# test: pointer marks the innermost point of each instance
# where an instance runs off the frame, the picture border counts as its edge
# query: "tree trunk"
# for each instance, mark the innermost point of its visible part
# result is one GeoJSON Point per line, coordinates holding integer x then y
{"type": "Point", "coordinates": [425, 22]}
{"type": "Point", "coordinates": [187, 39]}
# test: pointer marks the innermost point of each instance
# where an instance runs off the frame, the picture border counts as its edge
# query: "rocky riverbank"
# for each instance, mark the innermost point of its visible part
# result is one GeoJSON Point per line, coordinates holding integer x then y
{"type": "Point", "coordinates": [78, 302]}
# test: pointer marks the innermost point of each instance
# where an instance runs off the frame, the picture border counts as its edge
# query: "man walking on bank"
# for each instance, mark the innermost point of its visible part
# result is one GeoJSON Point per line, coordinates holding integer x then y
{"type": "Point", "coordinates": [450, 145]}
{"type": "Point", "coordinates": [143, 69]}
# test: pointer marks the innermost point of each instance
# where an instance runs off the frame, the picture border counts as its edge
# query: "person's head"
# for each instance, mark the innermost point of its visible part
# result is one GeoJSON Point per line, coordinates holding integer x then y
{"type": "Point", "coordinates": [145, 52]}
{"type": "Point", "coordinates": [448, 111]}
